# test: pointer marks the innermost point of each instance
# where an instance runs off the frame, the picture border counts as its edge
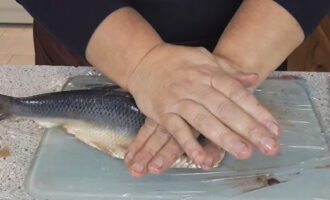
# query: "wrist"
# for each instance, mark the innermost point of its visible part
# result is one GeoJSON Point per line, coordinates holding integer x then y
{"type": "Point", "coordinates": [260, 41]}
{"type": "Point", "coordinates": [239, 61]}
{"type": "Point", "coordinates": [146, 63]}
{"type": "Point", "coordinates": [119, 43]}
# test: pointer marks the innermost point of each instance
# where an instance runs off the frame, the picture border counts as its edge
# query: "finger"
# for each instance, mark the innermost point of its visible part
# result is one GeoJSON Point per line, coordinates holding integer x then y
{"type": "Point", "coordinates": [208, 125]}
{"type": "Point", "coordinates": [142, 136]}
{"type": "Point", "coordinates": [183, 134]}
{"type": "Point", "coordinates": [165, 157]}
{"type": "Point", "coordinates": [246, 126]}
{"type": "Point", "coordinates": [246, 100]}
{"type": "Point", "coordinates": [138, 165]}
{"type": "Point", "coordinates": [217, 153]}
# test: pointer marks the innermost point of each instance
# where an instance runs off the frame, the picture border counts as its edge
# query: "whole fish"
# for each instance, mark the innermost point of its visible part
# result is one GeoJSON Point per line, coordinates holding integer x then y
{"type": "Point", "coordinates": [104, 118]}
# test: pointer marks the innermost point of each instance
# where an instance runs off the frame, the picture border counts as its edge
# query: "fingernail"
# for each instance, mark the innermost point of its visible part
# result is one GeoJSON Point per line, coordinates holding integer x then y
{"type": "Point", "coordinates": [153, 170]}
{"type": "Point", "coordinates": [194, 154]}
{"type": "Point", "coordinates": [273, 127]}
{"type": "Point", "coordinates": [197, 156]}
{"type": "Point", "coordinates": [268, 143]}
{"type": "Point", "coordinates": [128, 157]}
{"type": "Point", "coordinates": [240, 149]}
{"type": "Point", "coordinates": [137, 167]}
{"type": "Point", "coordinates": [207, 164]}
{"type": "Point", "coordinates": [206, 167]}
{"type": "Point", "coordinates": [157, 162]}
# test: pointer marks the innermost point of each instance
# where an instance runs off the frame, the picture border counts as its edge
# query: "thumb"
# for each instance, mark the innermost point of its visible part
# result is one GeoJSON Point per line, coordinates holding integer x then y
{"type": "Point", "coordinates": [246, 79]}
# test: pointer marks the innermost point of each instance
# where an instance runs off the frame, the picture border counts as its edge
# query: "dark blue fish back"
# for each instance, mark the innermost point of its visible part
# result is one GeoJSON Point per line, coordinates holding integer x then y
{"type": "Point", "coordinates": [112, 108]}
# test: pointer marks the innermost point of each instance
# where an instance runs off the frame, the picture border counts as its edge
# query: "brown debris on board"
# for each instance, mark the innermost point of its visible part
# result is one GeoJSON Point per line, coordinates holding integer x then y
{"type": "Point", "coordinates": [264, 182]}
{"type": "Point", "coordinates": [4, 152]}
{"type": "Point", "coordinates": [323, 167]}
{"type": "Point", "coordinates": [255, 183]}
{"type": "Point", "coordinates": [272, 181]}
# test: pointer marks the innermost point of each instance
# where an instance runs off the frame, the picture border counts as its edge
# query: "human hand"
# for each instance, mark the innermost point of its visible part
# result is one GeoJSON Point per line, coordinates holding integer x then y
{"type": "Point", "coordinates": [161, 151]}
{"type": "Point", "coordinates": [155, 149]}
{"type": "Point", "coordinates": [196, 90]}
{"type": "Point", "coordinates": [154, 143]}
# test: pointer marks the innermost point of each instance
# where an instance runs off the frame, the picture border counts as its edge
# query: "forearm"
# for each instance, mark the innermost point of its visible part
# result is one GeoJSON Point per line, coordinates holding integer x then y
{"type": "Point", "coordinates": [259, 37]}
{"type": "Point", "coordinates": [119, 43]}
{"type": "Point", "coordinates": [110, 35]}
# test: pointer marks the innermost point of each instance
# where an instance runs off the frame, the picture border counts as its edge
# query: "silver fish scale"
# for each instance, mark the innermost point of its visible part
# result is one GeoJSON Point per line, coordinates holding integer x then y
{"type": "Point", "coordinates": [111, 114]}
{"type": "Point", "coordinates": [114, 109]}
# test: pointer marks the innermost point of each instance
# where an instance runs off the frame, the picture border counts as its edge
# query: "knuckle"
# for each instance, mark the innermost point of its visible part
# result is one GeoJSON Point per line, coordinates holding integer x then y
{"type": "Point", "coordinates": [203, 73]}
{"type": "Point", "coordinates": [147, 152]}
{"type": "Point", "coordinates": [162, 131]}
{"type": "Point", "coordinates": [174, 89]}
{"type": "Point", "coordinates": [184, 76]}
{"type": "Point", "coordinates": [174, 125]}
{"type": "Point", "coordinates": [189, 78]}
{"type": "Point", "coordinates": [200, 120]}
{"type": "Point", "coordinates": [169, 120]}
{"type": "Point", "coordinates": [224, 108]}
{"type": "Point", "coordinates": [195, 74]}
{"type": "Point", "coordinates": [219, 80]}
{"type": "Point", "coordinates": [239, 95]}
{"type": "Point", "coordinates": [149, 124]}
{"type": "Point", "coordinates": [162, 134]}
{"type": "Point", "coordinates": [188, 143]}
{"type": "Point", "coordinates": [176, 130]}
{"type": "Point", "coordinates": [221, 137]}
{"type": "Point", "coordinates": [185, 106]}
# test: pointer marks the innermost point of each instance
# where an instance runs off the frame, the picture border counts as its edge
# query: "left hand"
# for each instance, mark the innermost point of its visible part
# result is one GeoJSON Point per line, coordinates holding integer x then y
{"type": "Point", "coordinates": [157, 150]}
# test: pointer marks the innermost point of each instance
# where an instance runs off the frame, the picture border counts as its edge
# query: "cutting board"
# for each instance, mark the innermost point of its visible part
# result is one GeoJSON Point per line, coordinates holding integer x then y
{"type": "Point", "coordinates": [65, 168]}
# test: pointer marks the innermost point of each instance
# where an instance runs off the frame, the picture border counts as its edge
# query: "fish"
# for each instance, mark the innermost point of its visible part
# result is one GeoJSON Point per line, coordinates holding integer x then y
{"type": "Point", "coordinates": [106, 118]}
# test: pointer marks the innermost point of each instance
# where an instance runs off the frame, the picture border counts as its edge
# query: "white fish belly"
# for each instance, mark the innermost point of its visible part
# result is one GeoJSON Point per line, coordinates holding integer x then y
{"type": "Point", "coordinates": [106, 140]}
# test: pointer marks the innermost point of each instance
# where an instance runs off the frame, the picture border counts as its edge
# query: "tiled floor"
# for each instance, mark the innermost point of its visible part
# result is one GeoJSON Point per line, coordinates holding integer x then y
{"type": "Point", "coordinates": [16, 45]}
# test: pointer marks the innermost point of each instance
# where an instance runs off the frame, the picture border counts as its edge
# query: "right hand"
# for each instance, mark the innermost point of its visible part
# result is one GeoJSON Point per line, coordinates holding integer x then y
{"type": "Point", "coordinates": [156, 150]}
{"type": "Point", "coordinates": [179, 87]}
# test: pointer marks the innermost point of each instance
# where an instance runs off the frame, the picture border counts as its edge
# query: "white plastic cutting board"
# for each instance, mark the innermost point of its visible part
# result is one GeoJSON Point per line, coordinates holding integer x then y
{"type": "Point", "coordinates": [64, 168]}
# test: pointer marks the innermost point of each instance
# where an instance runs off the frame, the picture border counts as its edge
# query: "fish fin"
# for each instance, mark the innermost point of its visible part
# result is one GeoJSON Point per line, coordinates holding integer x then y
{"type": "Point", "coordinates": [82, 133]}
{"type": "Point", "coordinates": [5, 106]}
{"type": "Point", "coordinates": [116, 151]}
{"type": "Point", "coordinates": [116, 90]}
{"type": "Point", "coordinates": [106, 87]}
{"type": "Point", "coordinates": [185, 162]}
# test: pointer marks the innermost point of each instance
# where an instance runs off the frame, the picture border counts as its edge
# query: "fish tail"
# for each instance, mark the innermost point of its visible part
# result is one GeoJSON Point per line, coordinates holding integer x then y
{"type": "Point", "coordinates": [5, 106]}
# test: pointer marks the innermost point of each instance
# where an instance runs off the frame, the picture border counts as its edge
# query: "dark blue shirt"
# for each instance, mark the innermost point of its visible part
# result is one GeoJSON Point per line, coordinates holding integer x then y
{"type": "Point", "coordinates": [73, 22]}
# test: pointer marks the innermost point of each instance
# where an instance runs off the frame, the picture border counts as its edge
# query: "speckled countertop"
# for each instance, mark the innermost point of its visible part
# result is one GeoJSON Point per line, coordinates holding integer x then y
{"type": "Point", "coordinates": [22, 136]}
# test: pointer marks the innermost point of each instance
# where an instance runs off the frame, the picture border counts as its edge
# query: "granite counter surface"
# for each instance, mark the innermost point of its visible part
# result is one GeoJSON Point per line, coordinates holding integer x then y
{"type": "Point", "coordinates": [22, 136]}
